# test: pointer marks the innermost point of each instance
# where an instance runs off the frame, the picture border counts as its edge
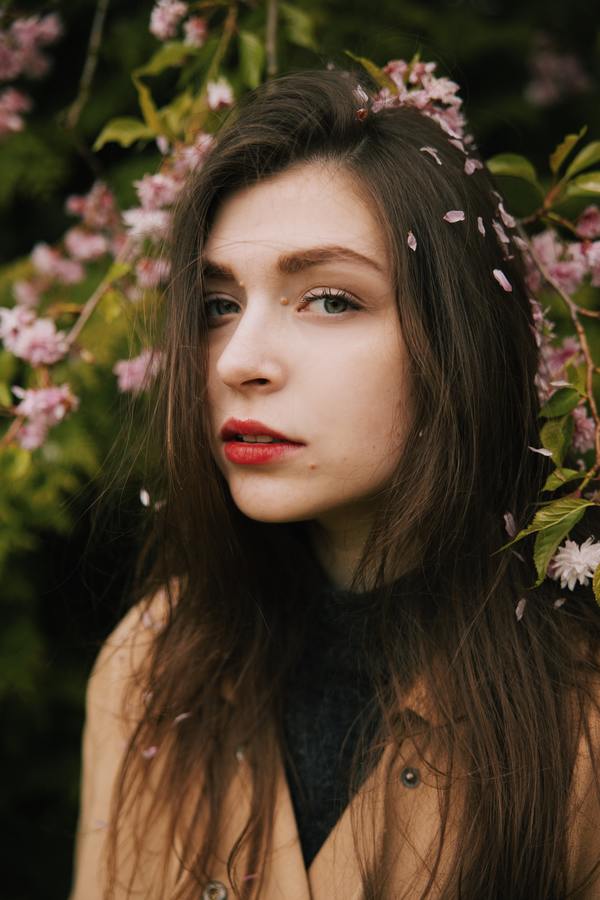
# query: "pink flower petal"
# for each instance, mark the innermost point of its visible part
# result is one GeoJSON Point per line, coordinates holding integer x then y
{"type": "Point", "coordinates": [520, 608]}
{"type": "Point", "coordinates": [181, 717]}
{"type": "Point", "coordinates": [502, 280]}
{"type": "Point", "coordinates": [411, 241]}
{"type": "Point", "coordinates": [150, 752]}
{"type": "Point", "coordinates": [432, 152]}
{"type": "Point", "coordinates": [471, 165]}
{"type": "Point", "coordinates": [480, 225]}
{"type": "Point", "coordinates": [454, 215]}
{"type": "Point", "coordinates": [559, 602]}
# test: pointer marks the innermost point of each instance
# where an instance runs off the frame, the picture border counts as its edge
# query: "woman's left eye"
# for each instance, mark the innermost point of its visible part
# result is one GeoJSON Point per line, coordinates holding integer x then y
{"type": "Point", "coordinates": [332, 300]}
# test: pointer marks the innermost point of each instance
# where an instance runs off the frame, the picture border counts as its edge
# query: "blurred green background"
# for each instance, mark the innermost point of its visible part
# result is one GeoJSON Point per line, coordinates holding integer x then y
{"type": "Point", "coordinates": [529, 73]}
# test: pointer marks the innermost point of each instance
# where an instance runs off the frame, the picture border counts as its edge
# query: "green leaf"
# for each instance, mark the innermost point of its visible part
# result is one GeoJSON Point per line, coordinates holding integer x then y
{"type": "Point", "coordinates": [377, 74]}
{"type": "Point", "coordinates": [124, 131]}
{"type": "Point", "coordinates": [587, 185]}
{"type": "Point", "coordinates": [148, 107]}
{"type": "Point", "coordinates": [514, 165]}
{"type": "Point", "coordinates": [551, 515]}
{"type": "Point", "coordinates": [556, 436]}
{"type": "Point", "coordinates": [548, 539]}
{"type": "Point", "coordinates": [588, 156]}
{"type": "Point", "coordinates": [170, 55]}
{"type": "Point", "coordinates": [558, 156]}
{"type": "Point", "coordinates": [577, 375]}
{"type": "Point", "coordinates": [596, 584]}
{"type": "Point", "coordinates": [252, 58]}
{"type": "Point", "coordinates": [561, 476]}
{"type": "Point", "coordinates": [6, 398]}
{"type": "Point", "coordinates": [299, 26]}
{"type": "Point", "coordinates": [116, 271]}
{"type": "Point", "coordinates": [561, 402]}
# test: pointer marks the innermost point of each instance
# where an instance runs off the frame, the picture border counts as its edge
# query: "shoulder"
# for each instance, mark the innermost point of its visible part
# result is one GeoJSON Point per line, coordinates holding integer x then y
{"type": "Point", "coordinates": [123, 657]}
{"type": "Point", "coordinates": [112, 714]}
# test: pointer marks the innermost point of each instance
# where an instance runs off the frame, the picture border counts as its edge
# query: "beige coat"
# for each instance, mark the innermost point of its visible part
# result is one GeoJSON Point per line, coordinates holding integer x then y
{"type": "Point", "coordinates": [334, 873]}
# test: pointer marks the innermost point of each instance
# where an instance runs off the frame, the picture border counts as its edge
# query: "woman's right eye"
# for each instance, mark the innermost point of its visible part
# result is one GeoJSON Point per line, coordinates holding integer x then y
{"type": "Point", "coordinates": [221, 304]}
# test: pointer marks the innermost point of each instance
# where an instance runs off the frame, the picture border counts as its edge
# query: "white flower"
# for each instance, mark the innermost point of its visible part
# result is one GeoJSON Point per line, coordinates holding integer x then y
{"type": "Point", "coordinates": [572, 563]}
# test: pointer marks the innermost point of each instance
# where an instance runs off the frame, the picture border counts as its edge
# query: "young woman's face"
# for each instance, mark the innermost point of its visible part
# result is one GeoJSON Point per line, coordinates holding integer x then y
{"type": "Point", "coordinates": [329, 374]}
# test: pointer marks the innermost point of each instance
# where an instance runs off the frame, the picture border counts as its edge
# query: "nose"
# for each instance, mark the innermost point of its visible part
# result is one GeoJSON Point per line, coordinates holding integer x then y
{"type": "Point", "coordinates": [254, 352]}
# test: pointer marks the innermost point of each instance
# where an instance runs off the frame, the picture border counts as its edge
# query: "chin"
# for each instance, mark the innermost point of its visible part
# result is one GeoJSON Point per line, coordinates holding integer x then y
{"type": "Point", "coordinates": [273, 507]}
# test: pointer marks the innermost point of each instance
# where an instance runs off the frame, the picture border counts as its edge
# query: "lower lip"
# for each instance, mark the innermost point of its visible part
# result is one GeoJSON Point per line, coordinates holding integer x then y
{"type": "Point", "coordinates": [257, 454]}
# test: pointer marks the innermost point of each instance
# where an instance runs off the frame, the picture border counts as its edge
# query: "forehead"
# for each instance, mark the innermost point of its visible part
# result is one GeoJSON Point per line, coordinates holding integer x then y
{"type": "Point", "coordinates": [310, 205]}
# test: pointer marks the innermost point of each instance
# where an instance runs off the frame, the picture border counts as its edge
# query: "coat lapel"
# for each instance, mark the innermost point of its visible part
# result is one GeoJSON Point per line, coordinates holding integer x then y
{"type": "Point", "coordinates": [334, 873]}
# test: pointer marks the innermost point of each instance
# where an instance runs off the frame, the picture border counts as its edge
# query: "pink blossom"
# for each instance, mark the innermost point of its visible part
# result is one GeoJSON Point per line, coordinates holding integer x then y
{"type": "Point", "coordinates": [20, 46]}
{"type": "Point", "coordinates": [151, 272]}
{"type": "Point", "coordinates": [155, 191]}
{"type": "Point", "coordinates": [98, 208]}
{"type": "Point", "coordinates": [480, 225]}
{"type": "Point", "coordinates": [50, 262]}
{"type": "Point", "coordinates": [26, 293]}
{"type": "Point", "coordinates": [165, 18]}
{"type": "Point", "coordinates": [411, 241]}
{"type": "Point", "coordinates": [195, 30]}
{"type": "Point", "coordinates": [502, 280]}
{"type": "Point", "coordinates": [12, 104]}
{"type": "Point", "coordinates": [588, 223]}
{"type": "Point", "coordinates": [12, 321]}
{"type": "Point", "coordinates": [432, 152]}
{"type": "Point", "coordinates": [43, 408]}
{"type": "Point", "coordinates": [134, 375]}
{"type": "Point", "coordinates": [150, 752]}
{"type": "Point", "coordinates": [593, 261]}
{"type": "Point", "coordinates": [39, 343]}
{"type": "Point", "coordinates": [585, 430]}
{"type": "Point", "coordinates": [454, 215]}
{"type": "Point", "coordinates": [456, 142]}
{"type": "Point", "coordinates": [554, 75]}
{"type": "Point", "coordinates": [520, 608]}
{"type": "Point", "coordinates": [85, 245]}
{"type": "Point", "coordinates": [219, 94]}
{"type": "Point", "coordinates": [146, 223]}
{"type": "Point", "coordinates": [190, 157]}
{"type": "Point", "coordinates": [471, 165]}
{"type": "Point", "coordinates": [568, 274]}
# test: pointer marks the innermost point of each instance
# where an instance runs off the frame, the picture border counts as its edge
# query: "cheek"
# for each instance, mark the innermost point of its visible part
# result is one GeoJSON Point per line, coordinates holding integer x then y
{"type": "Point", "coordinates": [364, 397]}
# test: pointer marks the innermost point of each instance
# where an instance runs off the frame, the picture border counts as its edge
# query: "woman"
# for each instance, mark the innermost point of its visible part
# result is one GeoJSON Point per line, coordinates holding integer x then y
{"type": "Point", "coordinates": [323, 690]}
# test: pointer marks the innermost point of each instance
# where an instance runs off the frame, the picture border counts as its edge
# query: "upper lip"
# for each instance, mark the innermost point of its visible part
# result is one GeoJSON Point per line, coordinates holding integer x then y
{"type": "Point", "coordinates": [233, 427]}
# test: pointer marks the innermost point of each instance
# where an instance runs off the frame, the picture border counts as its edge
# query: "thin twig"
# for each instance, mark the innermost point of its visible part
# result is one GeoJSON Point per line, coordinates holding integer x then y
{"type": "Point", "coordinates": [89, 67]}
{"type": "Point", "coordinates": [92, 302]}
{"type": "Point", "coordinates": [271, 38]}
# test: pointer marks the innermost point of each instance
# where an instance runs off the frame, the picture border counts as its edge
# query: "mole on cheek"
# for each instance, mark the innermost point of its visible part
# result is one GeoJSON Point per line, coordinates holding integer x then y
{"type": "Point", "coordinates": [312, 465]}
{"type": "Point", "coordinates": [284, 301]}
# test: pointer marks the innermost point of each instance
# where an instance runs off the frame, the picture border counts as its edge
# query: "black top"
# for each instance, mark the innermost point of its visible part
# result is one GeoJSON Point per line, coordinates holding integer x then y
{"type": "Point", "coordinates": [328, 696]}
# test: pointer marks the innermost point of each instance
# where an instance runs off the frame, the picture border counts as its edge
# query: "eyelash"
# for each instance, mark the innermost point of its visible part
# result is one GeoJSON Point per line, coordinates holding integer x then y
{"type": "Point", "coordinates": [323, 293]}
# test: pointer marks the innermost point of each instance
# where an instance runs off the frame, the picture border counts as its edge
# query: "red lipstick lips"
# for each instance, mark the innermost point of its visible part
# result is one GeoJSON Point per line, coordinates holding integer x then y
{"type": "Point", "coordinates": [254, 453]}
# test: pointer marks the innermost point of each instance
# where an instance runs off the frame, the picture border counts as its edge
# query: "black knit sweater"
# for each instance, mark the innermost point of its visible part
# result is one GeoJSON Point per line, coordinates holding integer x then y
{"type": "Point", "coordinates": [327, 698]}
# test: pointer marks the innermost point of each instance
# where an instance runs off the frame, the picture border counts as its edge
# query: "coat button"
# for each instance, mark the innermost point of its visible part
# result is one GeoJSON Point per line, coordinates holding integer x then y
{"type": "Point", "coordinates": [214, 890]}
{"type": "Point", "coordinates": [410, 777]}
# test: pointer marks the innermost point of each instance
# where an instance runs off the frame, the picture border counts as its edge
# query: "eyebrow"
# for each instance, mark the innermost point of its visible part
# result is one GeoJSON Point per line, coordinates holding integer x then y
{"type": "Point", "coordinates": [297, 261]}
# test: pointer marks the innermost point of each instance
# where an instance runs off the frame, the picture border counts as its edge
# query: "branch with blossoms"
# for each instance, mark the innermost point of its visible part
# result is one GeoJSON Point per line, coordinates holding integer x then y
{"type": "Point", "coordinates": [22, 56]}
{"type": "Point", "coordinates": [556, 227]}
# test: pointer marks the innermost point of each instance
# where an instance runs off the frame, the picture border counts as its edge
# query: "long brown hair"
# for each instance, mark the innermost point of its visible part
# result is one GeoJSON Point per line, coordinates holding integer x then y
{"type": "Point", "coordinates": [508, 691]}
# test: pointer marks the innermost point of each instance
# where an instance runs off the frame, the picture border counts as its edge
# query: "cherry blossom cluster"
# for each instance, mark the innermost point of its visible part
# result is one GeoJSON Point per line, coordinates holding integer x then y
{"type": "Point", "coordinates": [555, 75]}
{"type": "Point", "coordinates": [417, 86]}
{"type": "Point", "coordinates": [167, 17]}
{"type": "Point", "coordinates": [21, 56]}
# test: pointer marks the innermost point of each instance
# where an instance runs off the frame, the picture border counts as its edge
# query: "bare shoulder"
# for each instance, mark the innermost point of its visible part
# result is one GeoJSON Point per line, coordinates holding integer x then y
{"type": "Point", "coordinates": [112, 714]}
{"type": "Point", "coordinates": [123, 655]}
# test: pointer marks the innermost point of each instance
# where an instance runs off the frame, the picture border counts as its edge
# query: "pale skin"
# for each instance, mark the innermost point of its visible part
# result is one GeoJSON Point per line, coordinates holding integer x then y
{"type": "Point", "coordinates": [324, 374]}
